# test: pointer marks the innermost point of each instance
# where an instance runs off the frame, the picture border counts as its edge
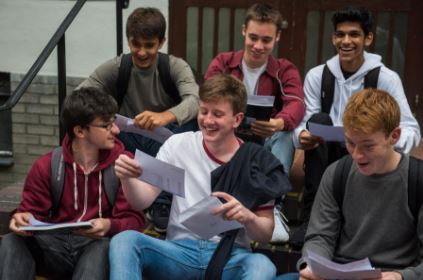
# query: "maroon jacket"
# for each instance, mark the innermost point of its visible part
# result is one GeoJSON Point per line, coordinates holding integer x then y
{"type": "Point", "coordinates": [36, 197]}
{"type": "Point", "coordinates": [280, 79]}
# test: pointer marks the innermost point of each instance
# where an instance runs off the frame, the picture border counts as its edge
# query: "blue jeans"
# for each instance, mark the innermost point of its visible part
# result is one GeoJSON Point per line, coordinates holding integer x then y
{"type": "Point", "coordinates": [288, 276]}
{"type": "Point", "coordinates": [134, 255]}
{"type": "Point", "coordinates": [282, 147]}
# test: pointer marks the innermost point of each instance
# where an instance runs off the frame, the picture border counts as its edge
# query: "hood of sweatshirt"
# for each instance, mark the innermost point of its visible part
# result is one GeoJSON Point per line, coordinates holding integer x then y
{"type": "Point", "coordinates": [371, 61]}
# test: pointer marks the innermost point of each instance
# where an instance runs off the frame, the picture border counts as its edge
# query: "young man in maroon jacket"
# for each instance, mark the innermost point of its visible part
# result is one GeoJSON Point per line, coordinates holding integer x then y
{"type": "Point", "coordinates": [88, 149]}
{"type": "Point", "coordinates": [264, 74]}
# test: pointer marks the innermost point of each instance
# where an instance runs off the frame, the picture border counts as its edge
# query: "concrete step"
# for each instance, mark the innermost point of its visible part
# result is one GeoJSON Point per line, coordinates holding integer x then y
{"type": "Point", "coordinates": [10, 198]}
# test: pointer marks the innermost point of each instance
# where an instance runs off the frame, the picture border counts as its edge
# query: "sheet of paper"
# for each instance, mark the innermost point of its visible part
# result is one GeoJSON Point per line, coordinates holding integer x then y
{"type": "Point", "coordinates": [159, 134]}
{"type": "Point", "coordinates": [327, 132]}
{"type": "Point", "coordinates": [199, 219]}
{"type": "Point", "coordinates": [161, 174]}
{"type": "Point", "coordinates": [37, 225]}
{"type": "Point", "coordinates": [327, 269]}
{"type": "Point", "coordinates": [261, 100]}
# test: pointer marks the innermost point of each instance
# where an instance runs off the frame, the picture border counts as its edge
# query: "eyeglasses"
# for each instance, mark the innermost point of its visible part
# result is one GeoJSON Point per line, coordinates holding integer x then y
{"type": "Point", "coordinates": [107, 126]}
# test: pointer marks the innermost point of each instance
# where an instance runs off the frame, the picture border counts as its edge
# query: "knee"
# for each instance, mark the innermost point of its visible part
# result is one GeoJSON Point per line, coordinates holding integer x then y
{"type": "Point", "coordinates": [11, 241]}
{"type": "Point", "coordinates": [123, 241]}
{"type": "Point", "coordinates": [321, 118]}
{"type": "Point", "coordinates": [261, 266]}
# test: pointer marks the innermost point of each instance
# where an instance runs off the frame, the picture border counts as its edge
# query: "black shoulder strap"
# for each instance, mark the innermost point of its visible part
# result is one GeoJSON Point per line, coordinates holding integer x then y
{"type": "Point", "coordinates": [342, 171]}
{"type": "Point", "coordinates": [415, 186]}
{"type": "Point", "coordinates": [327, 89]}
{"type": "Point", "coordinates": [123, 77]}
{"type": "Point", "coordinates": [57, 178]}
{"type": "Point", "coordinates": [111, 183]}
{"type": "Point", "coordinates": [371, 78]}
{"type": "Point", "coordinates": [164, 73]}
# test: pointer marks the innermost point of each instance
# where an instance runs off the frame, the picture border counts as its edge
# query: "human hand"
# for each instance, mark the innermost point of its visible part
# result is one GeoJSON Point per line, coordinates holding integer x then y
{"type": "Point", "coordinates": [18, 220]}
{"type": "Point", "coordinates": [151, 120]}
{"type": "Point", "coordinates": [306, 274]}
{"type": "Point", "coordinates": [126, 167]}
{"type": "Point", "coordinates": [233, 210]}
{"type": "Point", "coordinates": [308, 141]}
{"type": "Point", "coordinates": [100, 228]}
{"type": "Point", "coordinates": [389, 275]}
{"type": "Point", "coordinates": [267, 128]}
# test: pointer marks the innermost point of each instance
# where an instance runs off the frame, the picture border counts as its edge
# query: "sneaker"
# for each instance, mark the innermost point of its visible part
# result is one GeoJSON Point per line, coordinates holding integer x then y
{"type": "Point", "coordinates": [158, 214]}
{"type": "Point", "coordinates": [281, 230]}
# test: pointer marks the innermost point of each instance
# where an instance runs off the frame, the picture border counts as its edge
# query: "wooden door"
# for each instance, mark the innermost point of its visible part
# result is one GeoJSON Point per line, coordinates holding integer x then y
{"type": "Point", "coordinates": [199, 29]}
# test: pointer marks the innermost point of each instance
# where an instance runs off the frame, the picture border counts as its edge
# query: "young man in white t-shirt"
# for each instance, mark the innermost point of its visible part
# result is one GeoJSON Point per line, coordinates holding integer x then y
{"type": "Point", "coordinates": [184, 255]}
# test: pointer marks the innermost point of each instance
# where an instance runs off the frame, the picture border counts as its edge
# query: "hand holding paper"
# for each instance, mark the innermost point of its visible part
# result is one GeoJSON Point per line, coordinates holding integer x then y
{"type": "Point", "coordinates": [327, 269]}
{"type": "Point", "coordinates": [198, 219]}
{"type": "Point", "coordinates": [161, 174]}
{"type": "Point", "coordinates": [159, 134]}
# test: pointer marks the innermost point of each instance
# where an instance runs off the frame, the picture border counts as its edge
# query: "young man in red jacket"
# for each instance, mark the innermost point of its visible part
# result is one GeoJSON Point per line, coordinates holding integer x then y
{"type": "Point", "coordinates": [263, 74]}
{"type": "Point", "coordinates": [88, 149]}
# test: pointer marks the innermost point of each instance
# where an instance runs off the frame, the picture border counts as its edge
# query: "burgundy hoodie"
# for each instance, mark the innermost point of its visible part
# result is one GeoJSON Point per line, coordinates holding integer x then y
{"type": "Point", "coordinates": [75, 205]}
{"type": "Point", "coordinates": [280, 79]}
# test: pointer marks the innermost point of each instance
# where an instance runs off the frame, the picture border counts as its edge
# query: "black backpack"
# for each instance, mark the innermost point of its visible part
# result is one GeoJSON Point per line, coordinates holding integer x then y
{"type": "Point", "coordinates": [57, 181]}
{"type": "Point", "coordinates": [328, 85]}
{"type": "Point", "coordinates": [164, 74]}
{"type": "Point", "coordinates": [415, 183]}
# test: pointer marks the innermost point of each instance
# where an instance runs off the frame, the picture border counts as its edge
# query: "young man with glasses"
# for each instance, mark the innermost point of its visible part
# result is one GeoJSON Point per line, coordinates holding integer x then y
{"type": "Point", "coordinates": [89, 148]}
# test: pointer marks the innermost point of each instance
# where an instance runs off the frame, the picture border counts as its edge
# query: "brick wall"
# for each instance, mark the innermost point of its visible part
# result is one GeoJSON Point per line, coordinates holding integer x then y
{"type": "Point", "coordinates": [35, 124]}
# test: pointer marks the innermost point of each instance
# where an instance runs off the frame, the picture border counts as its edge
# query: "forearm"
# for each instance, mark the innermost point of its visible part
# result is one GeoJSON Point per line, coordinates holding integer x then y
{"type": "Point", "coordinates": [260, 227]}
{"type": "Point", "coordinates": [140, 195]}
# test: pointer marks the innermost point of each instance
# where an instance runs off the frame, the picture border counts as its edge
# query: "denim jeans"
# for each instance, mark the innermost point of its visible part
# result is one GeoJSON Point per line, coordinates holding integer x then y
{"type": "Point", "coordinates": [62, 256]}
{"type": "Point", "coordinates": [282, 147]}
{"type": "Point", "coordinates": [134, 255]}
{"type": "Point", "coordinates": [288, 276]}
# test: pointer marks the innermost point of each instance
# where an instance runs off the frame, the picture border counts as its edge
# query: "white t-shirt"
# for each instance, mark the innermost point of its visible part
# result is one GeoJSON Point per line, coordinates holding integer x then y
{"type": "Point", "coordinates": [186, 150]}
{"type": "Point", "coordinates": [251, 77]}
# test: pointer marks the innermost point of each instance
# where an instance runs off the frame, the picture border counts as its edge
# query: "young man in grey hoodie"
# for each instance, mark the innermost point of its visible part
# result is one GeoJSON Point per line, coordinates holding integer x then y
{"type": "Point", "coordinates": [352, 34]}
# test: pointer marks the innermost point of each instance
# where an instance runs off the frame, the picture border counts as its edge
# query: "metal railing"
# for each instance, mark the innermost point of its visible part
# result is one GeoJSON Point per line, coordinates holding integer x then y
{"type": "Point", "coordinates": [58, 39]}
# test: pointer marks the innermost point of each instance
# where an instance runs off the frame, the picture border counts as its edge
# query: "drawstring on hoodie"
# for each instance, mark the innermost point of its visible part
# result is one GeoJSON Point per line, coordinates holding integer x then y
{"type": "Point", "coordinates": [75, 189]}
{"type": "Point", "coordinates": [100, 176]}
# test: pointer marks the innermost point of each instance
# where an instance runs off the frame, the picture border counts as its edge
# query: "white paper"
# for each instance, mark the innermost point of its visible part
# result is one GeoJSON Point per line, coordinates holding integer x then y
{"type": "Point", "coordinates": [161, 174]}
{"type": "Point", "coordinates": [327, 269]}
{"type": "Point", "coordinates": [261, 100]}
{"type": "Point", "coordinates": [200, 221]}
{"type": "Point", "coordinates": [159, 134]}
{"type": "Point", "coordinates": [327, 132]}
{"type": "Point", "coordinates": [36, 225]}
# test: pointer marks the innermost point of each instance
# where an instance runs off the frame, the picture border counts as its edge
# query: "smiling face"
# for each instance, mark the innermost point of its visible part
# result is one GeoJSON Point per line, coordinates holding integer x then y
{"type": "Point", "coordinates": [260, 38]}
{"type": "Point", "coordinates": [350, 41]}
{"type": "Point", "coordinates": [373, 153]}
{"type": "Point", "coordinates": [101, 134]}
{"type": "Point", "coordinates": [217, 121]}
{"type": "Point", "coordinates": [144, 51]}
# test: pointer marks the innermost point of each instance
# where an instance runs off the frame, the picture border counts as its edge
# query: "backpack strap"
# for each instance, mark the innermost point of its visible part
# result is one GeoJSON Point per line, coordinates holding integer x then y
{"type": "Point", "coordinates": [342, 171]}
{"type": "Point", "coordinates": [164, 73]}
{"type": "Point", "coordinates": [415, 186]}
{"type": "Point", "coordinates": [111, 183]}
{"type": "Point", "coordinates": [371, 78]}
{"type": "Point", "coordinates": [57, 181]}
{"type": "Point", "coordinates": [327, 89]}
{"type": "Point", "coordinates": [328, 85]}
{"type": "Point", "coordinates": [57, 178]}
{"type": "Point", "coordinates": [123, 77]}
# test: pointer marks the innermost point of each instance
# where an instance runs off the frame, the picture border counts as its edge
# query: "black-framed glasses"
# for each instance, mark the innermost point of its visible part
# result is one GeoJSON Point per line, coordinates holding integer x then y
{"type": "Point", "coordinates": [107, 126]}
